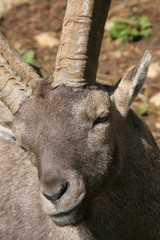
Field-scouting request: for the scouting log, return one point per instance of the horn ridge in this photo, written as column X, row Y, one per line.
column 82, row 33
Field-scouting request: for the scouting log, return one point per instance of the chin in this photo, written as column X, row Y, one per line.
column 73, row 217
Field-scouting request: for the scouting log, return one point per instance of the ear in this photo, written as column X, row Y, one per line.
column 128, row 87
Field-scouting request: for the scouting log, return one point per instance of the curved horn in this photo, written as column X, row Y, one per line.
column 17, row 78
column 83, row 28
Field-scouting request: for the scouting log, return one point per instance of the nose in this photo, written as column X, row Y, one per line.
column 56, row 191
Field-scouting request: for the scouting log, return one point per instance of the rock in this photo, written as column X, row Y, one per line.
column 157, row 125
column 156, row 99
column 47, row 39
column 154, row 70
column 6, row 5
column 108, row 25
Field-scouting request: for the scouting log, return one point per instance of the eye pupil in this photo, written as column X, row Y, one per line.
column 103, row 118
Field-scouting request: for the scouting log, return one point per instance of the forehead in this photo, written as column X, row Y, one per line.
column 69, row 100
column 67, row 113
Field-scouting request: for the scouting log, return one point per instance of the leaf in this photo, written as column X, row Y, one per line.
column 146, row 32
column 130, row 29
column 144, row 22
column 142, row 111
column 28, row 56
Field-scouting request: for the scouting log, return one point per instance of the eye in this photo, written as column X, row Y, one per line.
column 103, row 118
column 23, row 148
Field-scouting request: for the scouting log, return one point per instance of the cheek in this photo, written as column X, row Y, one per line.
column 101, row 145
column 33, row 159
column 102, row 137
column 110, row 138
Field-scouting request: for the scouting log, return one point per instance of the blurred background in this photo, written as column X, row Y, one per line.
column 33, row 27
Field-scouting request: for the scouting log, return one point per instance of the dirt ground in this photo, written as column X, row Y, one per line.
column 22, row 23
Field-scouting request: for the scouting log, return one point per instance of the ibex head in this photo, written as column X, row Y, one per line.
column 74, row 128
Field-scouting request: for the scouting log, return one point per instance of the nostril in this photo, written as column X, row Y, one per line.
column 61, row 189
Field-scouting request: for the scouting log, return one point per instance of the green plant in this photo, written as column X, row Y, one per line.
column 28, row 56
column 131, row 29
column 142, row 111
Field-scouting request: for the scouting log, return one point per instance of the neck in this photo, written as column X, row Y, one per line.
column 124, row 209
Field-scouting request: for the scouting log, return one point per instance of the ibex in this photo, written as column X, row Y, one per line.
column 97, row 173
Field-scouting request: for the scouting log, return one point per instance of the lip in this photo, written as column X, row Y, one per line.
column 72, row 217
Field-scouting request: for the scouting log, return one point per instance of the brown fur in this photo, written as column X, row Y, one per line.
column 112, row 167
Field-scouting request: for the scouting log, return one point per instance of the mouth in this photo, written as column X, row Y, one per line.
column 72, row 217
